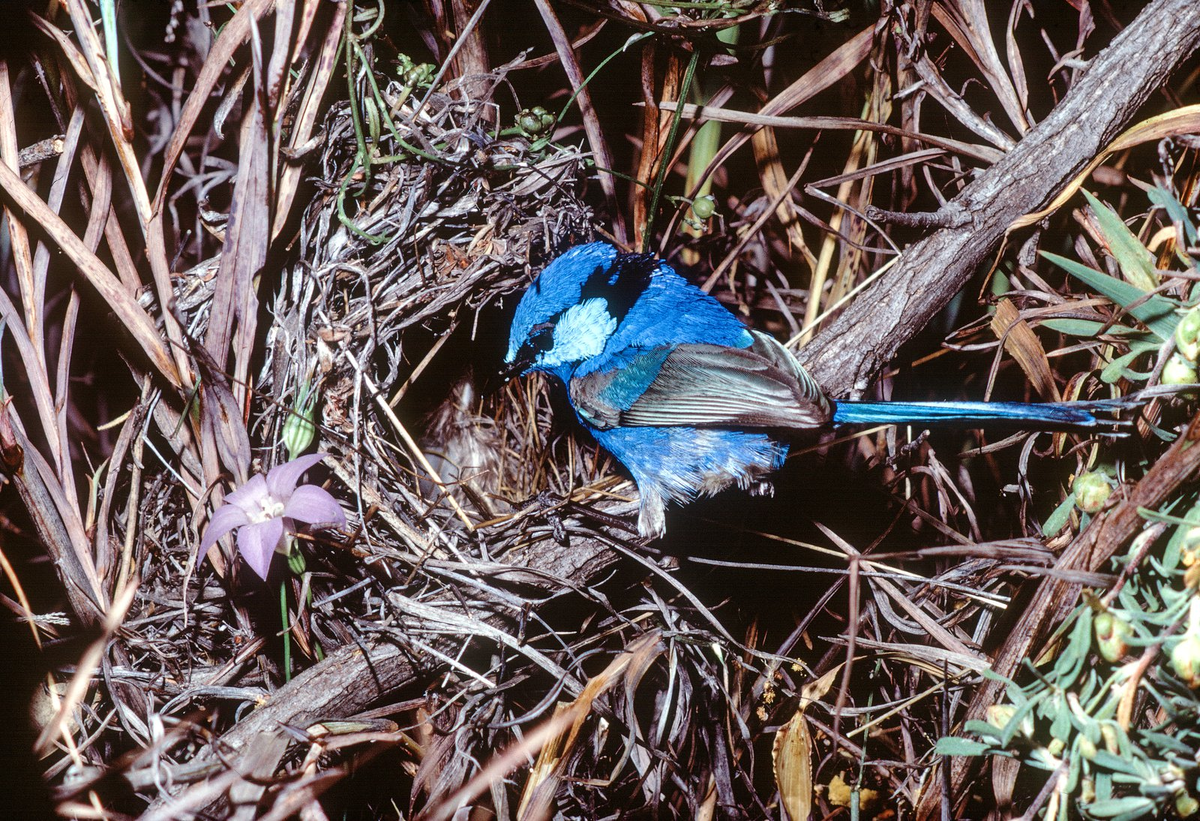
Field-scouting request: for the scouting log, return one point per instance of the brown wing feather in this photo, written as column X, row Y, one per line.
column 762, row 386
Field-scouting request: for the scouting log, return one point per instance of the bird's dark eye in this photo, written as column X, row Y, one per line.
column 541, row 337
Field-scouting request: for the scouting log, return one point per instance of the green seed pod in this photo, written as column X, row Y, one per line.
column 1179, row 371
column 535, row 122
column 546, row 120
column 1187, row 335
column 1092, row 490
column 418, row 75
column 1186, row 806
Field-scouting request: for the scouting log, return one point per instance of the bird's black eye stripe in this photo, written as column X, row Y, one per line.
column 541, row 336
column 621, row 284
column 540, row 340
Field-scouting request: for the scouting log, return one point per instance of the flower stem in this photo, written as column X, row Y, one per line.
column 287, row 632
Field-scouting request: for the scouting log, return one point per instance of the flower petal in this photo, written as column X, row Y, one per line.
column 282, row 479
column 224, row 519
column 257, row 543
column 250, row 497
column 315, row 506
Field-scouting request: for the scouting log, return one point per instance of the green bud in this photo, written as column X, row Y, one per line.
column 296, row 561
column 1000, row 715
column 535, row 122
column 1191, row 538
column 1055, row 747
column 1092, row 490
column 1178, row 371
column 299, row 430
column 1087, row 748
column 1111, row 633
column 1186, row 806
column 1185, row 660
column 418, row 75
column 704, row 207
column 1187, row 334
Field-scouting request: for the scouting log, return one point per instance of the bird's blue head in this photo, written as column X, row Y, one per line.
column 574, row 306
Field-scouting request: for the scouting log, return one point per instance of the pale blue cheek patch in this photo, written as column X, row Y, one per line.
column 580, row 333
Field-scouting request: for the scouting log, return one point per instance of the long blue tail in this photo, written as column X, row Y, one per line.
column 1054, row 415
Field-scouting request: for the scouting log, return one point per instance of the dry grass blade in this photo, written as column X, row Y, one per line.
column 322, row 72
column 1184, row 120
column 967, row 22
column 234, row 34
column 247, row 233
column 791, row 752
column 123, row 304
column 812, row 82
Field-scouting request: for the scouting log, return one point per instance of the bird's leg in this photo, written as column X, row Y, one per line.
column 652, row 515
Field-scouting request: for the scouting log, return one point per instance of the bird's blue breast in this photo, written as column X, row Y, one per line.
column 681, row 463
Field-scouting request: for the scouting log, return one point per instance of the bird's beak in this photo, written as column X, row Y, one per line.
column 511, row 370
column 514, row 367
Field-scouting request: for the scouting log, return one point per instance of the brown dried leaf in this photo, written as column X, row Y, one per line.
column 792, row 752
column 1023, row 345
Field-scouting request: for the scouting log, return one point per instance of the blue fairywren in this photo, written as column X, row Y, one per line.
column 683, row 394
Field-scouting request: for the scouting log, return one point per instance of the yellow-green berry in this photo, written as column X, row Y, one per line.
column 1185, row 660
column 1187, row 334
column 1178, row 371
column 1092, row 490
column 704, row 207
column 1111, row 633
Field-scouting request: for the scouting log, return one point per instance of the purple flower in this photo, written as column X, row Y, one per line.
column 264, row 511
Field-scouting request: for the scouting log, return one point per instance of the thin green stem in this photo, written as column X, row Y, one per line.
column 287, row 632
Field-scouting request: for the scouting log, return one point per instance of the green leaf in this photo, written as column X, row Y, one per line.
column 1175, row 211
column 1087, row 328
column 961, row 746
column 1057, row 520
column 1115, row 764
column 1157, row 312
column 1118, row 368
column 1060, row 727
column 1135, row 260
column 1165, row 743
column 1120, row 807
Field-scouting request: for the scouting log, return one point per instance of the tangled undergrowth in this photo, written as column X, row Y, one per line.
column 290, row 229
